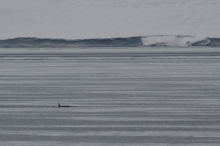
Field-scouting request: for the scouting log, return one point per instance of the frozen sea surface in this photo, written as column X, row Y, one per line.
column 118, row 97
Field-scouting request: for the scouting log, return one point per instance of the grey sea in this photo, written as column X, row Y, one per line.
column 116, row 97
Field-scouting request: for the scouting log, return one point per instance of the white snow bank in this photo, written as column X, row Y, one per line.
column 82, row 19
column 172, row 41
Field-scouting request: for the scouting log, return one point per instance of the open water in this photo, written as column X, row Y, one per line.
column 117, row 97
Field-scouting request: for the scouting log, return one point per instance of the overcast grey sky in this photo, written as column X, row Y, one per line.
column 78, row 19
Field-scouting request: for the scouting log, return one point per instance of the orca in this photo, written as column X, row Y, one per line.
column 63, row 105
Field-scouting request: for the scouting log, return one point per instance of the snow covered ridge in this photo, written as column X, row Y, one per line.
column 179, row 41
column 140, row 41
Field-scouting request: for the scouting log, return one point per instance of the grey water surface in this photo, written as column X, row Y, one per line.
column 117, row 97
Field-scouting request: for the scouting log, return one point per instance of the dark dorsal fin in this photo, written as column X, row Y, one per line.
column 62, row 105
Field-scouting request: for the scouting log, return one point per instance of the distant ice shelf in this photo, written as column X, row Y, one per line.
column 137, row 41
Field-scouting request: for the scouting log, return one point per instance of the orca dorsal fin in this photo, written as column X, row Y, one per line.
column 59, row 105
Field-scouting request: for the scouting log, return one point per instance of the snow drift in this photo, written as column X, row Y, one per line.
column 180, row 41
column 150, row 41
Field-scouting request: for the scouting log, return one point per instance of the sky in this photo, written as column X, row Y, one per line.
column 83, row 19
